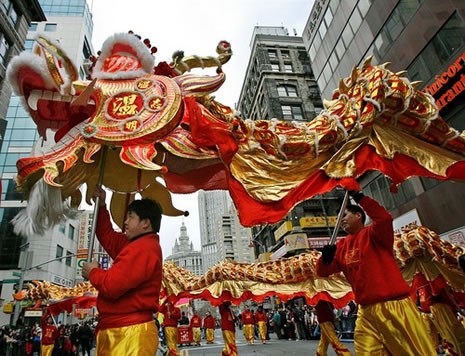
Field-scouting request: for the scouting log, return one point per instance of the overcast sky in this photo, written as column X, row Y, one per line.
column 196, row 27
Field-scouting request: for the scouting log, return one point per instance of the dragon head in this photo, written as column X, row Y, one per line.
column 127, row 105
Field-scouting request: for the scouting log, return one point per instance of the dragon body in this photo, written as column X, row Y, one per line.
column 162, row 123
column 417, row 250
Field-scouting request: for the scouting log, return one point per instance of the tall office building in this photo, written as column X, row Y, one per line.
column 16, row 17
column 279, row 83
column 70, row 23
column 425, row 37
column 221, row 235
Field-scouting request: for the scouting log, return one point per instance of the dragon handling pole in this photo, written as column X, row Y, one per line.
column 97, row 203
column 339, row 218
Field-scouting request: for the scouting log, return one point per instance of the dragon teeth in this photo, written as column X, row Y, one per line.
column 36, row 95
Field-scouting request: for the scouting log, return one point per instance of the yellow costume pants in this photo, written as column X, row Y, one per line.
column 393, row 327
column 171, row 336
column 431, row 329
column 46, row 350
column 139, row 339
column 230, row 348
column 210, row 335
column 248, row 331
column 262, row 330
column 196, row 335
column 329, row 336
column 449, row 327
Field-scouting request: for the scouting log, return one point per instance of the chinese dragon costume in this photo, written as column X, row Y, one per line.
column 143, row 122
column 161, row 122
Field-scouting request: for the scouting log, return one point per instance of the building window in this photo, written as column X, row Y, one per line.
column 275, row 67
column 50, row 27
column 71, row 232
column 292, row 112
column 287, row 90
column 440, row 50
column 61, row 228
column 272, row 54
column 285, row 54
column 69, row 258
column 29, row 44
column 13, row 16
column 33, row 27
column 7, row 5
column 4, row 49
column 288, row 68
column 59, row 252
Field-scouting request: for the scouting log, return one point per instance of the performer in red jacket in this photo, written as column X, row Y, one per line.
column 228, row 327
column 261, row 319
column 248, row 325
column 129, row 291
column 209, row 323
column 388, row 320
column 196, row 324
column 439, row 308
column 172, row 315
column 49, row 335
column 325, row 316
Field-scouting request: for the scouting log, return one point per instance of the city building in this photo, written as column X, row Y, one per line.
column 70, row 23
column 16, row 18
column 279, row 83
column 424, row 37
column 184, row 255
column 221, row 235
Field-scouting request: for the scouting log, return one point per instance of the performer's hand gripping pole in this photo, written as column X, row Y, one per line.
column 97, row 204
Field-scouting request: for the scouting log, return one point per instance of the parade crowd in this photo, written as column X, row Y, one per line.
column 48, row 338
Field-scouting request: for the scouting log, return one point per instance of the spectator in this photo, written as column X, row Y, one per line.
column 85, row 336
column 184, row 319
column 277, row 324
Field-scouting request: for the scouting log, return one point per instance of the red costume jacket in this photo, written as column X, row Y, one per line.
column 129, row 291
column 261, row 316
column 324, row 311
column 367, row 259
column 49, row 334
column 209, row 322
column 227, row 318
column 171, row 313
column 196, row 321
column 247, row 317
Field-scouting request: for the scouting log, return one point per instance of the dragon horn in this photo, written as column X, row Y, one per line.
column 182, row 64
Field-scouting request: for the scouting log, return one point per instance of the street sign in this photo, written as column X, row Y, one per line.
column 16, row 274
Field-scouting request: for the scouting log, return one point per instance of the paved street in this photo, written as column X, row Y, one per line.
column 272, row 347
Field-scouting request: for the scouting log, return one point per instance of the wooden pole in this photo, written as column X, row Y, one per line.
column 103, row 158
column 345, row 201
